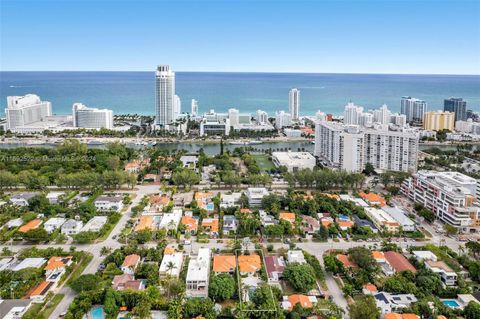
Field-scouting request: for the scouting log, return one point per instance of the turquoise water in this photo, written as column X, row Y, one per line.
column 450, row 303
column 97, row 313
column 133, row 92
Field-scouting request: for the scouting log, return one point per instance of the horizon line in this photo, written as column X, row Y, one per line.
column 257, row 72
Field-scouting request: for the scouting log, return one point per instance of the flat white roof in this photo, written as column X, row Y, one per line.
column 380, row 215
column 399, row 216
column 171, row 220
column 29, row 263
column 55, row 221
column 199, row 268
column 176, row 259
column 95, row 222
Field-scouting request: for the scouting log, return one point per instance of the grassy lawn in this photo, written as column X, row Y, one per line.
column 79, row 269
column 263, row 162
column 51, row 305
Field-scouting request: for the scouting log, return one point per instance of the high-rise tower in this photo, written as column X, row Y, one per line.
column 294, row 103
column 164, row 96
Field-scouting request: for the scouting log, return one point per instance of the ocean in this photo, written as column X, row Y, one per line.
column 133, row 92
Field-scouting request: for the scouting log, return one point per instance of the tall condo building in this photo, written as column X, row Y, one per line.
column 294, row 103
column 413, row 109
column 457, row 106
column 234, row 117
column 352, row 114
column 86, row 117
column 194, row 107
column 350, row 148
column 164, row 96
column 438, row 120
column 262, row 117
column 320, row 116
column 282, row 119
column 177, row 107
column 24, row 110
column 382, row 115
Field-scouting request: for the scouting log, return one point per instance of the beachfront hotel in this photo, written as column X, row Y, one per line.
column 87, row 117
column 164, row 96
column 27, row 109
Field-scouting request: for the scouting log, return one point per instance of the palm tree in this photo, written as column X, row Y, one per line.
column 169, row 268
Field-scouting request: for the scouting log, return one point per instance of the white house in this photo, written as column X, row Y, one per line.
column 130, row 263
column 296, row 256
column 14, row 308
column 198, row 274
column 54, row 197
column 171, row 220
column 189, row 161
column 255, row 195
column 176, row 259
column 447, row 275
column 109, row 203
column 95, row 224
column 387, row 302
column 28, row 263
column 21, row 199
column 72, row 227
column 53, row 224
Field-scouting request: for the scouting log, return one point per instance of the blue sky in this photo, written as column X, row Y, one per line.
column 433, row 37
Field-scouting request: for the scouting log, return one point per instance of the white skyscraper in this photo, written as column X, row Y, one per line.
column 382, row 115
column 86, row 117
column 282, row 119
column 177, row 107
column 352, row 113
column 194, row 107
column 234, row 117
column 294, row 103
column 23, row 110
column 321, row 116
column 413, row 109
column 262, row 117
column 164, row 96
column 366, row 119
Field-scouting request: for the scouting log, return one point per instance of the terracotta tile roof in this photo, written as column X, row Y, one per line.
column 201, row 196
column 56, row 262
column 370, row 287
column 190, row 223
column 346, row 261
column 288, row 216
column 410, row 316
column 163, row 199
column 33, row 224
column 326, row 222
column 301, row 299
column 399, row 262
column 333, row 196
column 210, row 223
column 373, row 198
column 131, row 260
column 377, row 255
column 345, row 223
column 249, row 263
column 145, row 222
column 245, row 210
column 224, row 263
column 39, row 290
column 392, row 315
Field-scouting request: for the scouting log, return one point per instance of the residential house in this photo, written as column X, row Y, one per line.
column 38, row 293
column 28, row 263
column 447, row 275
column 53, row 224
column 373, row 199
column 398, row 262
column 105, row 203
column 170, row 221
column 289, row 302
column 198, row 274
column 14, row 223
column 230, row 224
column 288, row 216
column 310, row 225
column 171, row 265
column 127, row 281
column 205, row 200
column 266, row 219
column 379, row 257
column 189, row 161
column 55, row 197
column 255, row 195
column 224, row 264
column 344, row 222
column 210, row 225
column 14, row 308
column 230, row 200
column 33, row 224
column 424, row 255
column 182, row 199
column 56, row 267
column 249, row 264
column 401, row 217
column 130, row 263
column 296, row 256
column 346, row 262
column 274, row 267
column 158, row 202
column 394, row 315
column 387, row 302
column 364, row 223
column 136, row 166
column 190, row 224
column 72, row 227
column 369, row 289
column 22, row 199
column 95, row 224
column 382, row 219
column 145, row 222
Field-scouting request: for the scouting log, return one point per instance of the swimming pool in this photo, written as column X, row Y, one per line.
column 451, row 303
column 97, row 313
column 209, row 206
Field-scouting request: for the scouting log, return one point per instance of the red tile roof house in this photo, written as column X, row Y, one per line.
column 274, row 267
column 130, row 264
column 127, row 281
column 398, row 262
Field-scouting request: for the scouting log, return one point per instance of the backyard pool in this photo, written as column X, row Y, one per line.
column 451, row 303
column 97, row 313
